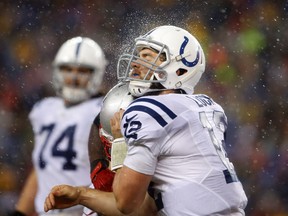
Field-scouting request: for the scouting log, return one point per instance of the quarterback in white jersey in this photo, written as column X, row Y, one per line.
column 61, row 126
column 178, row 139
column 175, row 139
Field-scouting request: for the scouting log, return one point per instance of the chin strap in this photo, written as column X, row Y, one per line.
column 138, row 88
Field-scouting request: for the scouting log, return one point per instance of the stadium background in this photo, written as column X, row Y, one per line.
column 245, row 42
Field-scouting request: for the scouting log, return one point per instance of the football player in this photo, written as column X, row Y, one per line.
column 61, row 126
column 175, row 139
column 103, row 169
column 102, row 173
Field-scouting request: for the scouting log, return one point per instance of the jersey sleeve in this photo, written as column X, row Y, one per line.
column 35, row 110
column 143, row 126
column 43, row 106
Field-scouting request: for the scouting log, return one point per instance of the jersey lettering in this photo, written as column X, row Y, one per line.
column 68, row 154
column 131, row 127
column 49, row 129
column 203, row 100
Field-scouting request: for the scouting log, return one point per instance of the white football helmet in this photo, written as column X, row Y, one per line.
column 118, row 97
column 79, row 52
column 182, row 68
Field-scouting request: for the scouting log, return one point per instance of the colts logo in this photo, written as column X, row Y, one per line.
column 131, row 127
column 187, row 63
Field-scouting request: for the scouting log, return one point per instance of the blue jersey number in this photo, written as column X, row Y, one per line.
column 69, row 153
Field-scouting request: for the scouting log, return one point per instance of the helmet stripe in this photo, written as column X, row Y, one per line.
column 77, row 51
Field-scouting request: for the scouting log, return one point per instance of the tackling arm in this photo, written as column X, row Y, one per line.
column 64, row 196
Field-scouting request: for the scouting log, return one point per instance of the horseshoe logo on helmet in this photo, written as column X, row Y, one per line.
column 184, row 61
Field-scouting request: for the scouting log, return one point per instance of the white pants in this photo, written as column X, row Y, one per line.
column 88, row 212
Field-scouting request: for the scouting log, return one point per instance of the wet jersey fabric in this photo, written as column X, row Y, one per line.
column 180, row 140
column 60, row 154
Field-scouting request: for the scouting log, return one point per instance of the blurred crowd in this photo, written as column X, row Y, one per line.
column 246, row 46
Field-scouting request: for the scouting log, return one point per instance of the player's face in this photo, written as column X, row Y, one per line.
column 141, row 69
column 76, row 77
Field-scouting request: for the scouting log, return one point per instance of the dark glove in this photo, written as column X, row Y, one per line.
column 16, row 213
column 101, row 176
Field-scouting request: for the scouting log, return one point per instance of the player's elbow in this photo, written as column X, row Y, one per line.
column 124, row 210
column 126, row 207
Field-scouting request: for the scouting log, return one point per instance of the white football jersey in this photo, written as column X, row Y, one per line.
column 60, row 154
column 179, row 139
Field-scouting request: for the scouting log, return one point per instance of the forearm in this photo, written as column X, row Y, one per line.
column 101, row 202
column 104, row 203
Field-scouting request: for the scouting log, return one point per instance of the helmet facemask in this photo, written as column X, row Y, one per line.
column 155, row 73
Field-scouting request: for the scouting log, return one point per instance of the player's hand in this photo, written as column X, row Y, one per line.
column 115, row 123
column 101, row 176
column 62, row 196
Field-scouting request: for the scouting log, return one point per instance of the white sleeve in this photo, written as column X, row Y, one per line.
column 144, row 144
column 141, row 159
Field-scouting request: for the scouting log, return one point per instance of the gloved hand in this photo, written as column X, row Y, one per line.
column 101, row 176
